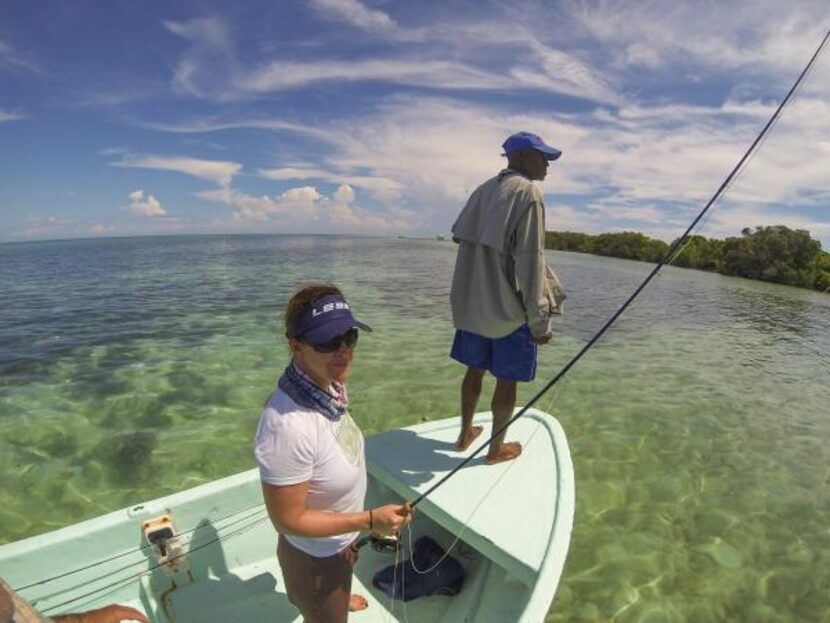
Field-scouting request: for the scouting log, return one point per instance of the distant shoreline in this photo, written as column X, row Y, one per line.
column 210, row 235
column 773, row 253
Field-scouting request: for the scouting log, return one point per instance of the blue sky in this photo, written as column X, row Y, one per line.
column 381, row 116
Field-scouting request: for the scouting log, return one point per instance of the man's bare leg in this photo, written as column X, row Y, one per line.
column 470, row 392
column 504, row 401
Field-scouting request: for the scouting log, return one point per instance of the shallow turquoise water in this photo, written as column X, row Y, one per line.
column 699, row 427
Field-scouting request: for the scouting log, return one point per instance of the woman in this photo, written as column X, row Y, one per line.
column 311, row 461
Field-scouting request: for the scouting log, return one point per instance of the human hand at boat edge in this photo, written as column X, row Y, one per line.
column 388, row 519
column 113, row 613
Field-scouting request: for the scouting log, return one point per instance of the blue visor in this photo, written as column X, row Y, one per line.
column 325, row 319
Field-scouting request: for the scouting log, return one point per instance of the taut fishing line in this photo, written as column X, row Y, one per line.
column 666, row 256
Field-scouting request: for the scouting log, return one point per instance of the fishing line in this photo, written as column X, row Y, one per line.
column 689, row 239
column 757, row 148
column 400, row 552
column 391, row 608
column 144, row 548
column 705, row 220
column 672, row 249
column 237, row 532
column 822, row 356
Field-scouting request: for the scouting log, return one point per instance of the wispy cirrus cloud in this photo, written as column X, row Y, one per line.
column 355, row 13
column 7, row 115
column 656, row 35
column 442, row 74
column 210, row 69
column 201, row 125
column 209, row 60
column 12, row 58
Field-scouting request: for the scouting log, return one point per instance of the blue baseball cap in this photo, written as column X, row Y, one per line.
column 525, row 140
column 325, row 319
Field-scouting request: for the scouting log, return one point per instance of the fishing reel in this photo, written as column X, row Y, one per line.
column 386, row 544
column 380, row 544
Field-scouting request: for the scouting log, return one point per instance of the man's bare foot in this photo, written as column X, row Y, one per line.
column 508, row 452
column 464, row 440
column 357, row 602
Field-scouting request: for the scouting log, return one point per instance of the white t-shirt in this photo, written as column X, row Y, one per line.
column 295, row 444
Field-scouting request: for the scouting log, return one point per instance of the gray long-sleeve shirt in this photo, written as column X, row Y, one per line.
column 501, row 279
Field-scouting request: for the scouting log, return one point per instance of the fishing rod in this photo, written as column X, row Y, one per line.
column 669, row 253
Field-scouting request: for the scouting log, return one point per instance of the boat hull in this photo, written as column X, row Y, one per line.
column 230, row 544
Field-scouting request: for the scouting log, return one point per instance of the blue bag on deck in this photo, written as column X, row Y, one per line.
column 406, row 584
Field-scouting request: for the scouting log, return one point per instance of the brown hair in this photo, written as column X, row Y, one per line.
column 303, row 298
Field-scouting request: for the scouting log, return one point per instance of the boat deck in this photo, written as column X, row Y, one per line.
column 255, row 594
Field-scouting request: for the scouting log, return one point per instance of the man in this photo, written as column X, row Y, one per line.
column 14, row 609
column 503, row 293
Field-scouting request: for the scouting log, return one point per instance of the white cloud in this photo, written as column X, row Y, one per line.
column 304, row 208
column 562, row 217
column 142, row 205
column 573, row 48
column 13, row 59
column 113, row 151
column 301, row 200
column 384, row 188
column 207, row 125
column 209, row 60
column 444, row 74
column 561, row 72
column 652, row 159
column 210, row 69
column 204, row 31
column 355, row 13
column 46, row 227
column 297, row 172
column 218, row 171
column 656, row 165
column 747, row 36
column 732, row 217
column 98, row 229
column 344, row 195
column 12, row 116
column 642, row 55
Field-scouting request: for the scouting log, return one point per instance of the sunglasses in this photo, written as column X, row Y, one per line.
column 349, row 338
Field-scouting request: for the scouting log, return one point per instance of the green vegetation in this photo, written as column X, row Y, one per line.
column 774, row 253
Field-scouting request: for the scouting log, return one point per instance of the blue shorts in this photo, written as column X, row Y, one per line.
column 509, row 358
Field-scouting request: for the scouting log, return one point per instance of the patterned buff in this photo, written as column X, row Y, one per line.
column 305, row 392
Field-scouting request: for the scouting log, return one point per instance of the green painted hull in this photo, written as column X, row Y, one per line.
column 514, row 522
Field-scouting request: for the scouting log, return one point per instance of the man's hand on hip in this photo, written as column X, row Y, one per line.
column 543, row 339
